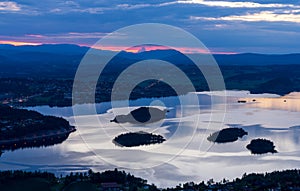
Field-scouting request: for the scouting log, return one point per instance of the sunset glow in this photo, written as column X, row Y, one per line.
column 17, row 43
column 135, row 49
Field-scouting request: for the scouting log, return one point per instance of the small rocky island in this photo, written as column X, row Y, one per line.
column 137, row 139
column 261, row 146
column 21, row 128
column 227, row 135
column 141, row 115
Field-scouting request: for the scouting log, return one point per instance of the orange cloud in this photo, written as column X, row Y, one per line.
column 18, row 43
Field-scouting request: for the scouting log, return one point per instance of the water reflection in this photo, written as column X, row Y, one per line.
column 266, row 117
column 290, row 102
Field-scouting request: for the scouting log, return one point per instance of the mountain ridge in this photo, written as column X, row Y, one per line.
column 63, row 59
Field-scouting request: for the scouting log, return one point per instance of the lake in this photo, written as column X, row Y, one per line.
column 186, row 155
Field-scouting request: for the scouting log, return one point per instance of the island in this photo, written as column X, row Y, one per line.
column 261, row 146
column 141, row 115
column 137, row 139
column 227, row 135
column 21, row 128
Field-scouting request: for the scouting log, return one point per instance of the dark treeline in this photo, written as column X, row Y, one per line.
column 124, row 181
column 18, row 174
column 277, row 180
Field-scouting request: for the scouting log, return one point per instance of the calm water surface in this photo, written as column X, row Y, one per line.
column 186, row 155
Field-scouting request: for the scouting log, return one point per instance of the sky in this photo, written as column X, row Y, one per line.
column 259, row 26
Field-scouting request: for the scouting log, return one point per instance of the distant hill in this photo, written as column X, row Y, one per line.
column 61, row 60
column 45, row 73
column 45, row 60
column 257, row 59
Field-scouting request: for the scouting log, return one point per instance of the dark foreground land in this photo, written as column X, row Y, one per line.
column 287, row 180
column 20, row 128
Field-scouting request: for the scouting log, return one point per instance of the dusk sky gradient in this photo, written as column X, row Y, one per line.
column 260, row 26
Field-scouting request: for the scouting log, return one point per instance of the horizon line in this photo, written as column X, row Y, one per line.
column 137, row 49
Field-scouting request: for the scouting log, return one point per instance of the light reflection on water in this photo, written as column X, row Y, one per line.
column 290, row 102
column 269, row 116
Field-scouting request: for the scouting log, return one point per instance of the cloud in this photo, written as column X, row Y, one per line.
column 72, row 3
column 226, row 4
column 84, row 38
column 9, row 6
column 133, row 6
column 267, row 16
column 224, row 25
column 18, row 43
column 54, row 37
column 72, row 35
column 35, row 35
column 101, row 9
column 69, row 6
column 236, row 4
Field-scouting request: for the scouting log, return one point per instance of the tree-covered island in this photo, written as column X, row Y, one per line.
column 138, row 139
column 227, row 135
column 261, row 146
column 141, row 115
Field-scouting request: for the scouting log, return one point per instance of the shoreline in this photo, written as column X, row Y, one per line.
column 25, row 105
column 42, row 139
